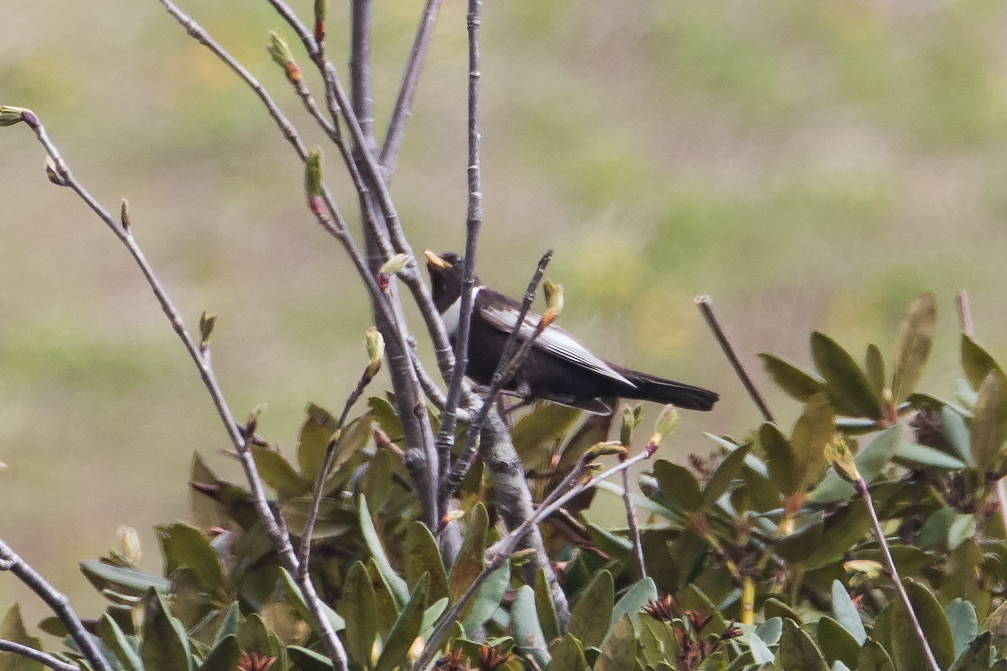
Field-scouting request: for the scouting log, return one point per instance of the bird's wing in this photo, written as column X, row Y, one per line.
column 553, row 339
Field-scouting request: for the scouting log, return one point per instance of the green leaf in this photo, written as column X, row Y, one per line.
column 115, row 640
column 963, row 528
column 728, row 469
column 420, row 555
column 870, row 462
column 845, row 383
column 165, row 645
column 678, row 484
column 488, row 601
column 842, row 530
column 797, row 651
column 277, row 472
column 916, row 337
column 384, row 602
column 536, row 434
column 770, row 630
column 308, row 660
column 225, row 655
column 377, row 484
column 956, row 432
column 977, row 363
column 528, row 634
column 619, row 651
column 935, row 529
column 295, row 598
column 13, row 629
column 314, row 436
column 406, row 629
column 964, row 624
column 545, row 607
column 229, row 624
column 567, row 655
column 384, row 414
column 593, row 430
column 989, row 422
column 792, row 380
column 632, row 602
column 780, row 459
column 589, row 618
column 186, row 546
column 874, row 366
column 975, row 656
column 397, row 586
column 906, row 650
column 774, row 608
column 847, row 614
column 357, row 606
column 996, row 623
column 837, row 643
column 814, row 430
column 761, row 654
column 469, row 562
column 873, row 657
column 928, row 457
column 122, row 580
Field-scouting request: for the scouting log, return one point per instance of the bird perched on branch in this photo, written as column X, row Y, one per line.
column 558, row 367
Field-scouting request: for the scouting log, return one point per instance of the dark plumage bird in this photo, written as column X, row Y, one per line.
column 558, row 367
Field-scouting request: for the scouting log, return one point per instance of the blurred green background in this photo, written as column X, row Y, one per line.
column 811, row 165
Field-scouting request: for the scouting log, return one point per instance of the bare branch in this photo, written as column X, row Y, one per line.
column 37, row 655
column 60, row 605
column 634, row 526
column 706, row 307
column 403, row 104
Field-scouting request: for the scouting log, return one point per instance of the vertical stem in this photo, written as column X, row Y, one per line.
column 634, row 527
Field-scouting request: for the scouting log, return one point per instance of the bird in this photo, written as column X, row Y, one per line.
column 558, row 367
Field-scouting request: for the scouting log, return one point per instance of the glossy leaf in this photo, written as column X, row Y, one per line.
column 384, row 414
column 593, row 430
column 308, row 660
column 165, row 644
column 589, row 619
column 761, row 654
column 122, row 580
column 277, row 472
column 420, row 555
column 116, row 641
column 814, row 430
column 927, row 457
column 795, row 382
column 632, row 602
column 964, row 624
column 619, row 651
column 315, row 433
column 774, row 608
column 359, row 610
column 874, row 367
column 977, row 363
column 842, row 530
column 226, row 654
column 975, row 656
column 906, row 650
column 406, row 629
column 186, row 546
column 847, row 613
column 295, row 598
column 567, row 655
column 836, row 643
column 989, row 422
column 845, row 383
column 678, row 484
column 535, row 435
column 727, row 470
column 780, row 458
column 916, row 337
column 469, row 563
column 487, row 602
column 935, row 528
column 797, row 652
column 545, row 607
column 961, row 529
column 13, row 629
column 956, row 432
column 528, row 634
column 873, row 657
column 398, row 587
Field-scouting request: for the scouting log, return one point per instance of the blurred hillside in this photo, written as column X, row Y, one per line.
column 810, row 165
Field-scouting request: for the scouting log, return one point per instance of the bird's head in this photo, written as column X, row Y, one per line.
column 446, row 273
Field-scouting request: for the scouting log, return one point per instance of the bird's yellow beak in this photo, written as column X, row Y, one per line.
column 435, row 260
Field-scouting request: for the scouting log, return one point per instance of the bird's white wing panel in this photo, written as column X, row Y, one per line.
column 553, row 340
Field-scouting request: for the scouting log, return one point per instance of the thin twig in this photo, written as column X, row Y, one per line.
column 60, row 605
column 514, row 352
column 498, row 553
column 37, row 655
column 473, row 223
column 59, row 173
column 330, row 455
column 634, row 526
column 403, row 103
column 706, row 307
column 965, row 321
column 861, row 486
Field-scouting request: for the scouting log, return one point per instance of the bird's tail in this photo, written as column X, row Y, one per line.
column 660, row 390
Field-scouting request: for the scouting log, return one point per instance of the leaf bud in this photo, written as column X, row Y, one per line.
column 130, row 543
column 603, row 450
column 553, row 298
column 630, row 420
column 313, row 174
column 279, row 50
column 53, row 172
column 375, row 350
column 396, row 264
column 124, row 214
column 838, row 454
column 663, row 426
column 206, row 323
column 11, row 115
column 321, row 9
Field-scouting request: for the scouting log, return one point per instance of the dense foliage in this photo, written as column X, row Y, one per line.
column 760, row 557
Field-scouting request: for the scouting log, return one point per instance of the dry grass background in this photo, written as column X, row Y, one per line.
column 811, row 165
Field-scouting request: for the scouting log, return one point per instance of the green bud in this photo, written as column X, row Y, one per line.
column 10, row 115
column 313, row 173
column 124, row 216
column 206, row 323
column 665, row 424
column 130, row 543
column 279, row 49
column 375, row 350
column 630, row 420
column 603, row 450
column 396, row 264
column 553, row 297
column 321, row 8
column 53, row 172
column 838, row 454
